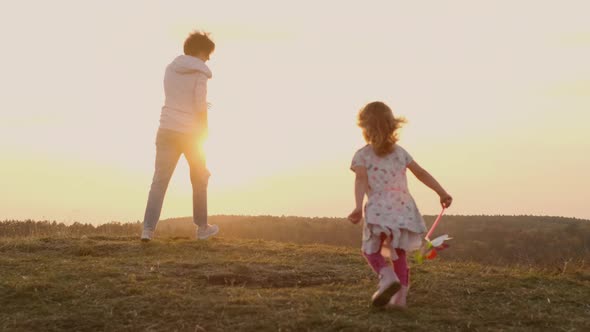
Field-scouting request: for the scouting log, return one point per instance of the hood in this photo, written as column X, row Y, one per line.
column 186, row 64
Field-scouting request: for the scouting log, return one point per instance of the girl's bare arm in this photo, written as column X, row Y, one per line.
column 361, row 186
column 425, row 177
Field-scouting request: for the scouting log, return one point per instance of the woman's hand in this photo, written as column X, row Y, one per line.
column 445, row 200
column 356, row 215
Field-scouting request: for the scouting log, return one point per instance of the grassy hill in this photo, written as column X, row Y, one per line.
column 115, row 283
column 549, row 242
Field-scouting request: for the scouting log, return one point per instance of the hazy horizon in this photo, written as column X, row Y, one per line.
column 496, row 94
column 216, row 216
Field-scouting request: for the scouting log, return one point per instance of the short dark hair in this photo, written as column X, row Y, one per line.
column 198, row 42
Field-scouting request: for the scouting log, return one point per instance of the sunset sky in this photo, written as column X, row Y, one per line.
column 496, row 94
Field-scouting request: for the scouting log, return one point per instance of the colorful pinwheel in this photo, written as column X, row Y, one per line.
column 431, row 247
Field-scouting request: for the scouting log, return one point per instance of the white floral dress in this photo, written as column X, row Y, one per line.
column 390, row 209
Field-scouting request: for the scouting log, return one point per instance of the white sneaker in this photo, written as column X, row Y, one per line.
column 388, row 286
column 203, row 233
column 147, row 235
column 398, row 300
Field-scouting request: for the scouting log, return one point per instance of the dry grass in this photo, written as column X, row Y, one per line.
column 117, row 283
column 552, row 243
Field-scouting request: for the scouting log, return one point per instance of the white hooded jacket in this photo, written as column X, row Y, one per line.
column 185, row 87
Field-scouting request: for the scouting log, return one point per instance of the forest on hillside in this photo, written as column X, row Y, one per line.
column 553, row 242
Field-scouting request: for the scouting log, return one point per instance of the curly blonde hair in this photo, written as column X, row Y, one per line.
column 379, row 127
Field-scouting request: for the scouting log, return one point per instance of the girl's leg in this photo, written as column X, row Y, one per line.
column 388, row 281
column 400, row 265
column 376, row 261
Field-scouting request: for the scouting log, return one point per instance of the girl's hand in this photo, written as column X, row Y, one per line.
column 356, row 215
column 446, row 200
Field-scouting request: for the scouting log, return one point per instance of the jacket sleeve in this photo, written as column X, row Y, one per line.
column 201, row 93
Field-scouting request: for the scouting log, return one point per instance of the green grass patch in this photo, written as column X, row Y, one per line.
column 111, row 283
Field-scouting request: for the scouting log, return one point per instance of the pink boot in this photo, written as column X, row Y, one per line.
column 400, row 266
column 398, row 301
column 388, row 286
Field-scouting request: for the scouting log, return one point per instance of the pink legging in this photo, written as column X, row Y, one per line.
column 400, row 265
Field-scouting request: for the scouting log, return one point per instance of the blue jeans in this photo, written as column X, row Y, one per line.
column 169, row 146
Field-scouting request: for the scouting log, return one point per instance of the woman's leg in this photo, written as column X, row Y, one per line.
column 199, row 174
column 167, row 155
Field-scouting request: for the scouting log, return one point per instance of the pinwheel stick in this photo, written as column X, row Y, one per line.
column 434, row 224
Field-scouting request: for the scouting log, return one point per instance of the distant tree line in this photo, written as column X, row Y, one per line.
column 555, row 242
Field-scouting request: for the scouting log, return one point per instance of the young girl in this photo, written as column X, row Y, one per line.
column 392, row 220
